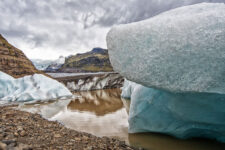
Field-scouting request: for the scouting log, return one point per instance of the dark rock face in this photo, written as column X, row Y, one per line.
column 13, row 61
column 96, row 60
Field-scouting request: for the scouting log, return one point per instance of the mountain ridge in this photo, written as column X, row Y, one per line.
column 13, row 61
column 96, row 60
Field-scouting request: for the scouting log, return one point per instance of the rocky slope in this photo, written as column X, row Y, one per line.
column 96, row 60
column 13, row 61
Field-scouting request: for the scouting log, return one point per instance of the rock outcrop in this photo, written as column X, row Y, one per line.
column 13, row 61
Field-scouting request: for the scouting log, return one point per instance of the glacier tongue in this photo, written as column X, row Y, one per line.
column 182, row 50
column 30, row 88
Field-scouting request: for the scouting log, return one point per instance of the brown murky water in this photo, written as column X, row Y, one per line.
column 104, row 113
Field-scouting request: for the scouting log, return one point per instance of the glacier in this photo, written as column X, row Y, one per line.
column 182, row 50
column 35, row 87
column 175, row 63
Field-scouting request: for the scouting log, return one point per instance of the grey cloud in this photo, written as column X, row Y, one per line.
column 72, row 25
column 133, row 11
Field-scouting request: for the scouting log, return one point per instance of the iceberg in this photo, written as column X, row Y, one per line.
column 30, row 88
column 176, row 63
column 182, row 115
column 182, row 50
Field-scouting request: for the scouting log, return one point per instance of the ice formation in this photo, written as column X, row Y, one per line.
column 183, row 115
column 182, row 50
column 176, row 60
column 128, row 88
column 30, row 88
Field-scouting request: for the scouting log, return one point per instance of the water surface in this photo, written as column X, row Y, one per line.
column 104, row 113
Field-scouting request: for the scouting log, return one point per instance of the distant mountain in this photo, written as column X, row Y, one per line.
column 49, row 65
column 96, row 60
column 56, row 65
column 13, row 61
column 41, row 64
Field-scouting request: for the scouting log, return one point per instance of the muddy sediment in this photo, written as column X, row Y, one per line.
column 22, row 130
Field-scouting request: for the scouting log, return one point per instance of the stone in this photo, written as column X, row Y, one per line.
column 23, row 133
column 3, row 146
column 57, row 136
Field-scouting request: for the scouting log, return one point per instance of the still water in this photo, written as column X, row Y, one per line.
column 104, row 113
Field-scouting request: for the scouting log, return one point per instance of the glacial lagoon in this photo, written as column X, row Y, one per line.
column 104, row 113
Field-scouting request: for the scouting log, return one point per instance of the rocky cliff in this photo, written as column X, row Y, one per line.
column 96, row 60
column 13, row 61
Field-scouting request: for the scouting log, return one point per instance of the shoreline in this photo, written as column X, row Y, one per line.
column 23, row 130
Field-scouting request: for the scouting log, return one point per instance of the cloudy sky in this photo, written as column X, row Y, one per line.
column 47, row 29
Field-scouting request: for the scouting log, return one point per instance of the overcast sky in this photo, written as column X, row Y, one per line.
column 46, row 29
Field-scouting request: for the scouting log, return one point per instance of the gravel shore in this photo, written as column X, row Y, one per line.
column 22, row 131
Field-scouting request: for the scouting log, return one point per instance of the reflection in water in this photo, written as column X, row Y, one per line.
column 156, row 141
column 126, row 104
column 47, row 109
column 98, row 102
column 153, row 141
column 98, row 112
column 103, row 113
